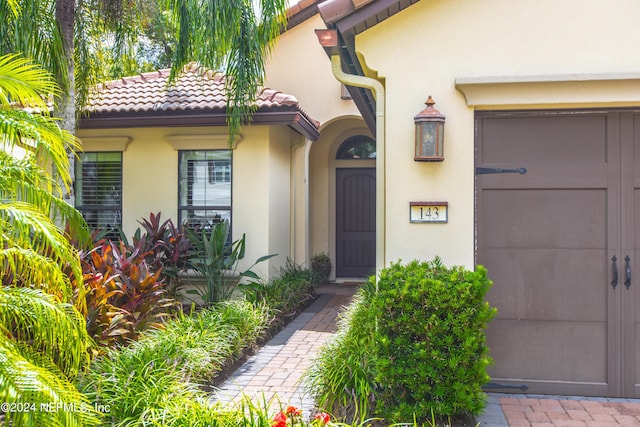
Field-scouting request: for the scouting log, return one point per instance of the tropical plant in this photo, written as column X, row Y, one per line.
column 43, row 340
column 125, row 296
column 216, row 259
column 166, row 248
column 68, row 37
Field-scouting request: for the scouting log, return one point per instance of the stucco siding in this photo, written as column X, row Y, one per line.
column 298, row 65
column 422, row 50
column 260, row 180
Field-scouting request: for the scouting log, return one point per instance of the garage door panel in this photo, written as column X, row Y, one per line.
column 536, row 284
column 547, row 238
column 543, row 218
column 554, row 176
column 545, row 139
column 529, row 350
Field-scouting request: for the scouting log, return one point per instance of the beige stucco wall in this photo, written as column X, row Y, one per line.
column 299, row 66
column 424, row 49
column 260, row 187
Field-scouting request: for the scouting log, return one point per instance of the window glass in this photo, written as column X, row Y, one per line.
column 204, row 187
column 357, row 147
column 99, row 190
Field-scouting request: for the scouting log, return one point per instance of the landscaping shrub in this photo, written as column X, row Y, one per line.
column 123, row 295
column 341, row 378
column 166, row 247
column 321, row 268
column 414, row 344
column 131, row 287
column 291, row 288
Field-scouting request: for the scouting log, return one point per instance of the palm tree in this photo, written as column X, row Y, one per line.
column 232, row 36
column 43, row 339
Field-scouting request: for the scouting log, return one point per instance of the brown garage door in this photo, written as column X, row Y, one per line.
column 553, row 239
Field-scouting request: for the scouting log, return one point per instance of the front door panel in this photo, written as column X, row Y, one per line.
column 355, row 222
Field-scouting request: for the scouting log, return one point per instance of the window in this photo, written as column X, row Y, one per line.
column 358, row 147
column 99, row 190
column 204, row 187
column 219, row 171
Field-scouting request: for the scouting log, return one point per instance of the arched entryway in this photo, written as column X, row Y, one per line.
column 355, row 178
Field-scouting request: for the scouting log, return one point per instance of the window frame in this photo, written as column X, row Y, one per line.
column 184, row 209
column 84, row 208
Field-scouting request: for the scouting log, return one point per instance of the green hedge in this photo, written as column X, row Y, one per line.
column 416, row 341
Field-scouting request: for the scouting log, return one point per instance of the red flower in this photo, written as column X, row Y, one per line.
column 280, row 420
column 292, row 411
column 324, row 417
column 280, row 417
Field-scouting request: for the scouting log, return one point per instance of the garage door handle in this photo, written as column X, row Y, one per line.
column 627, row 281
column 614, row 266
column 486, row 171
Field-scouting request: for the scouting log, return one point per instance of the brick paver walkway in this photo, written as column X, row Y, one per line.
column 278, row 367
column 560, row 411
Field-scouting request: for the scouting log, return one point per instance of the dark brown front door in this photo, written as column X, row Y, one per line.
column 553, row 239
column 355, row 222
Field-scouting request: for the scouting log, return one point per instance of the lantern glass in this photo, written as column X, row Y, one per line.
column 429, row 141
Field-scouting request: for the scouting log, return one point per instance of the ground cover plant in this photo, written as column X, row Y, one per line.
column 166, row 368
column 412, row 346
column 163, row 377
column 292, row 288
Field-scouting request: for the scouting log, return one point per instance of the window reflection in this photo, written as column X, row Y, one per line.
column 359, row 147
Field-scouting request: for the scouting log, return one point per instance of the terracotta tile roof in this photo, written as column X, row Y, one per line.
column 193, row 90
column 196, row 91
column 300, row 6
column 301, row 11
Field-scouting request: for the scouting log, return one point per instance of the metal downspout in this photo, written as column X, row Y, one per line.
column 378, row 89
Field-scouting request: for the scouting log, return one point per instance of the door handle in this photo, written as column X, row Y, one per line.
column 614, row 267
column 627, row 267
column 485, row 171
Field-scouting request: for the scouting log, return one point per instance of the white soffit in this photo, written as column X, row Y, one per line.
column 611, row 89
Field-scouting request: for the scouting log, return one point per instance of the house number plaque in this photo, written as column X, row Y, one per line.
column 429, row 212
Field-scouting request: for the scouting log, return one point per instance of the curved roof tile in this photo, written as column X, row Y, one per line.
column 195, row 89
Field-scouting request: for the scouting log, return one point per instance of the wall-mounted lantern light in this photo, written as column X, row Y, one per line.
column 429, row 134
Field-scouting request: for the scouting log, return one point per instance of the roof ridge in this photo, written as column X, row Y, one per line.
column 145, row 77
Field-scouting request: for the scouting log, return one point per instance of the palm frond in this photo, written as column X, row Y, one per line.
column 24, row 181
column 28, row 377
column 23, row 83
column 233, row 36
column 26, row 227
column 47, row 325
column 41, row 135
column 24, row 266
